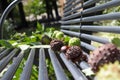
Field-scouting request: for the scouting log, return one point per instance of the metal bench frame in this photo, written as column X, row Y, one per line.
column 72, row 21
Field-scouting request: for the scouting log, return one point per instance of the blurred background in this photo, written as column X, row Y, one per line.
column 28, row 12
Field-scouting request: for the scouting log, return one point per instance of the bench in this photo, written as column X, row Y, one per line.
column 78, row 21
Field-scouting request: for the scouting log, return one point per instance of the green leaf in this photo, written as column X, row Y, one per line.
column 40, row 27
column 116, row 41
column 50, row 30
column 5, row 43
column 34, row 43
column 33, row 38
column 13, row 43
column 34, row 74
column 19, row 70
column 66, row 40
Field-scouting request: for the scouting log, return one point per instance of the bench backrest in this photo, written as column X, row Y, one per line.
column 83, row 19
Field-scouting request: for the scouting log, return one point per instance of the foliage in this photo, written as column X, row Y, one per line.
column 116, row 41
column 40, row 27
column 19, row 70
column 51, row 72
column 34, row 75
column 24, row 39
column 35, row 7
column 5, row 44
column 8, row 29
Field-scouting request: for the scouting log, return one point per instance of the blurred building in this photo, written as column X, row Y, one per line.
column 61, row 4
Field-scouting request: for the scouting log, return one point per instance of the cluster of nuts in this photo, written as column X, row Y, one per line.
column 103, row 55
column 72, row 51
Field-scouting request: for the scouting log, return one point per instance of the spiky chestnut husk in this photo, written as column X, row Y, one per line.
column 45, row 39
column 74, row 53
column 56, row 45
column 104, row 54
column 66, row 39
column 109, row 72
column 54, row 33
column 74, row 42
column 59, row 35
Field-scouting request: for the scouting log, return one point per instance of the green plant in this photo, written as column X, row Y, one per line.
column 51, row 72
column 5, row 43
column 19, row 70
column 35, row 7
column 8, row 29
column 34, row 39
column 116, row 41
column 40, row 28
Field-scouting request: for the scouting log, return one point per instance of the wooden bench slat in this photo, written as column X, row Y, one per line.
column 110, row 16
column 76, row 73
column 110, row 29
column 87, row 46
column 73, row 27
column 86, row 36
column 28, row 66
column 85, row 4
column 60, row 75
column 43, row 74
column 102, row 7
column 4, row 53
column 94, row 38
column 93, row 9
column 7, row 59
column 84, row 65
column 76, row 34
column 13, row 67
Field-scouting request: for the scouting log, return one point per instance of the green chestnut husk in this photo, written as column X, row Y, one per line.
column 74, row 42
column 54, row 33
column 45, row 40
column 59, row 36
